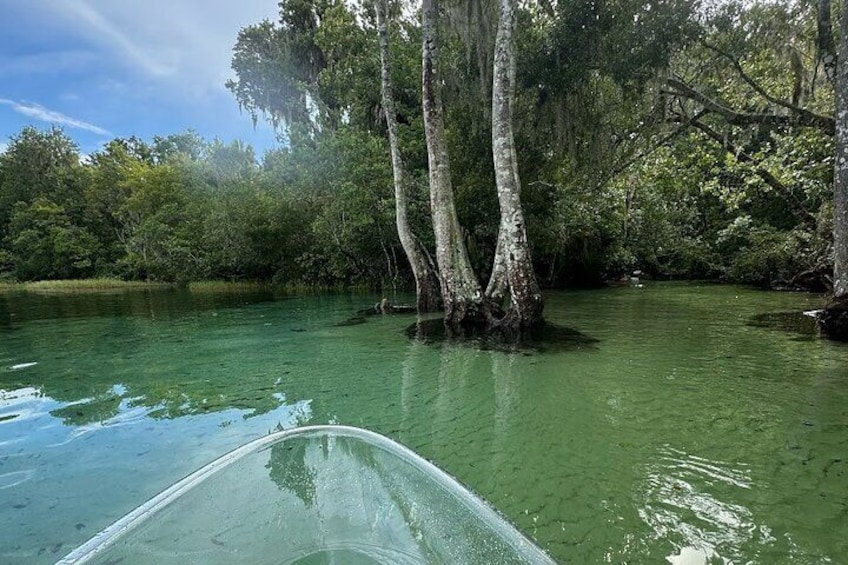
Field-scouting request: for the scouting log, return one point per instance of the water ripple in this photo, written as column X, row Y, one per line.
column 685, row 500
column 15, row 478
column 718, row 470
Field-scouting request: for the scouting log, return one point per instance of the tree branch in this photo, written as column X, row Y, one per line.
column 792, row 200
column 682, row 125
column 812, row 117
column 805, row 118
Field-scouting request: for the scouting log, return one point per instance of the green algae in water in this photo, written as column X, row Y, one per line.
column 684, row 431
column 544, row 338
column 355, row 496
column 799, row 323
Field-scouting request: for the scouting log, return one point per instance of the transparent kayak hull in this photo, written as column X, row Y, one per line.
column 313, row 496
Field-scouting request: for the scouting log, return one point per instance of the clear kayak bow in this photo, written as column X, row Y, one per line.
column 313, row 496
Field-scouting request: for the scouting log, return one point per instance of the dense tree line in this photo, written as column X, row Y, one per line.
column 684, row 140
column 180, row 209
column 681, row 139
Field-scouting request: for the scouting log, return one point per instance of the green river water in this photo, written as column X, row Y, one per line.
column 696, row 424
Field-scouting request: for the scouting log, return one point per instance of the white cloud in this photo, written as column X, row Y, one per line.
column 43, row 114
column 186, row 42
column 118, row 35
column 3, row 147
column 136, row 66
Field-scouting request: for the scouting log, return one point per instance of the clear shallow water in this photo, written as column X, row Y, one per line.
column 313, row 495
column 693, row 429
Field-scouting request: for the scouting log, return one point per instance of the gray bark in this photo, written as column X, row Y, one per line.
column 826, row 46
column 426, row 279
column 461, row 293
column 498, row 284
column 840, row 188
column 526, row 303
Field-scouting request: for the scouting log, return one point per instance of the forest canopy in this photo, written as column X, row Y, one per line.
column 682, row 139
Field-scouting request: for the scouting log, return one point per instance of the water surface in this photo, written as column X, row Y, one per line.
column 697, row 423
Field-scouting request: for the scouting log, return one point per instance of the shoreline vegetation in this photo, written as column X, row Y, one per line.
column 80, row 285
column 198, row 287
column 95, row 285
column 672, row 142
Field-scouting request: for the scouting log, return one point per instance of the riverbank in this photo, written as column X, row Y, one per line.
column 80, row 285
column 199, row 287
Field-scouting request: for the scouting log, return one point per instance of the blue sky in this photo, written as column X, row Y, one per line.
column 115, row 68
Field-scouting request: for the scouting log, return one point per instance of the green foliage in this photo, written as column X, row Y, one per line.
column 767, row 257
column 256, row 235
column 614, row 177
column 350, row 182
column 42, row 224
column 39, row 164
column 45, row 244
column 159, row 224
column 312, row 71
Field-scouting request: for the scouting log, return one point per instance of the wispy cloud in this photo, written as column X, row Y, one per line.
column 184, row 44
column 114, row 34
column 39, row 112
column 140, row 68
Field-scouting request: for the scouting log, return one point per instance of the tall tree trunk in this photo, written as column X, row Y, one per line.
column 498, row 285
column 834, row 319
column 426, row 278
column 463, row 300
column 526, row 303
column 840, row 188
column 826, row 47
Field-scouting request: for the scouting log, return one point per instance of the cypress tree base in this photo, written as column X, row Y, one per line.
column 833, row 320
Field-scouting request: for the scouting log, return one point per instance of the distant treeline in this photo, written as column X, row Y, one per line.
column 180, row 209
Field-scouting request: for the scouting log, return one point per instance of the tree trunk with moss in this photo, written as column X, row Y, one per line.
column 513, row 261
column 426, row 277
column 461, row 293
column 840, row 189
column 834, row 319
column 825, row 44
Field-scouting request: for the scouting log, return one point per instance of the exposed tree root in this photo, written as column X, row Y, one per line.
column 833, row 320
